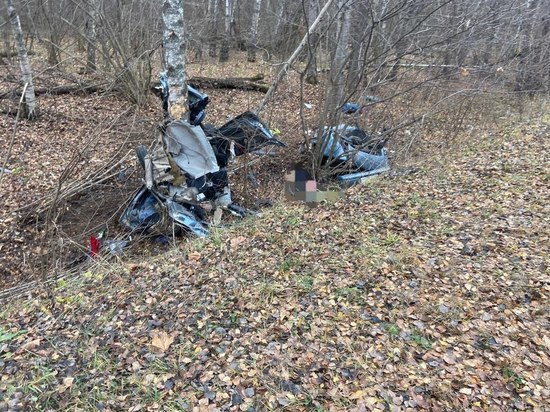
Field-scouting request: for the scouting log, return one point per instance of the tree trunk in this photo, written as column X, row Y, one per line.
column 254, row 31
column 280, row 26
column 399, row 53
column 30, row 106
column 6, row 50
column 337, row 79
column 213, row 24
column 533, row 50
column 311, row 70
column 53, row 43
column 239, row 83
column 361, row 37
column 91, row 36
column 228, row 11
column 173, row 40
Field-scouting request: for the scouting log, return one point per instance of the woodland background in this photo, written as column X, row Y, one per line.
column 422, row 289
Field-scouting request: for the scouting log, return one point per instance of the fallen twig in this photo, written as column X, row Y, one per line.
column 8, row 154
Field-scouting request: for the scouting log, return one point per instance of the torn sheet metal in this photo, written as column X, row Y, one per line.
column 367, row 162
column 186, row 218
column 349, row 145
column 187, row 167
column 142, row 212
column 190, row 149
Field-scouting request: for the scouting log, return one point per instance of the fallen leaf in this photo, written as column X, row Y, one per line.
column 67, row 383
column 194, row 256
column 486, row 316
column 465, row 391
column 449, row 359
column 357, row 394
column 236, row 241
column 31, row 344
column 162, row 340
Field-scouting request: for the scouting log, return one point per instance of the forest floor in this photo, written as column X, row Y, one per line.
column 417, row 291
column 82, row 137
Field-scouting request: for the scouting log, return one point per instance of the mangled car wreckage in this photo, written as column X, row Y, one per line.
column 351, row 147
column 187, row 166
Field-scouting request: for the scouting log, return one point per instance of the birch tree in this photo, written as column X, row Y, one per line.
column 30, row 106
column 228, row 17
column 253, row 40
column 173, row 40
column 91, row 35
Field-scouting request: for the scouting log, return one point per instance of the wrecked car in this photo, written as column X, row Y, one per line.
column 186, row 168
column 352, row 148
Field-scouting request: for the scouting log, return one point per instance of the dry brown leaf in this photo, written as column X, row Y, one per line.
column 67, row 383
column 357, row 394
column 465, row 391
column 236, row 241
column 162, row 340
column 194, row 256
column 449, row 359
column 30, row 345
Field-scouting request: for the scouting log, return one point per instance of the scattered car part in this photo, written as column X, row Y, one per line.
column 187, row 166
column 349, row 145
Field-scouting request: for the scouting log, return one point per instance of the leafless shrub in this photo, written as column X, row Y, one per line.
column 426, row 61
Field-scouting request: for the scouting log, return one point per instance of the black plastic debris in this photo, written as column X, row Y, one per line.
column 350, row 108
column 356, row 108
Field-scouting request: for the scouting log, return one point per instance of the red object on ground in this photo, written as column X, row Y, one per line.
column 94, row 246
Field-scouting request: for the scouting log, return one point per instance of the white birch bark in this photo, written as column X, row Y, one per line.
column 30, row 106
column 286, row 65
column 253, row 40
column 91, row 35
column 173, row 41
column 229, row 6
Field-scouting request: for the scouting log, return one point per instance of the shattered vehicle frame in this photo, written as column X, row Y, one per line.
column 187, row 166
column 351, row 147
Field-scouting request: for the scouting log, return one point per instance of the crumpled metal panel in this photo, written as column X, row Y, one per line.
column 185, row 218
column 190, row 149
column 142, row 211
column 334, row 148
column 366, row 161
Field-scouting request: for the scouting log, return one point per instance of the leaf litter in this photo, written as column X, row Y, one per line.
column 421, row 291
column 370, row 303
